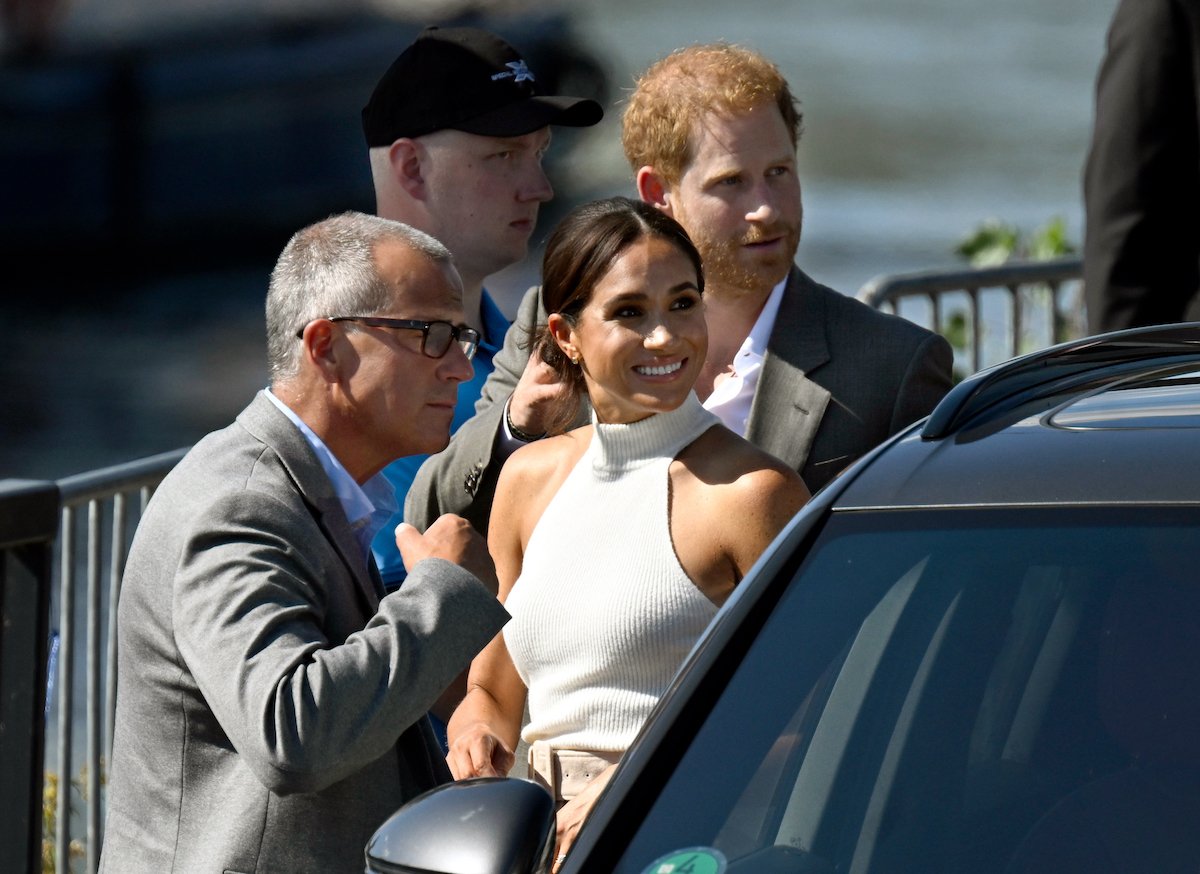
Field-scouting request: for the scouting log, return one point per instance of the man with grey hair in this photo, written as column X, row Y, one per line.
column 271, row 697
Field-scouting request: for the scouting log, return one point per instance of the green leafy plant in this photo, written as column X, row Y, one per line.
column 50, row 789
column 994, row 242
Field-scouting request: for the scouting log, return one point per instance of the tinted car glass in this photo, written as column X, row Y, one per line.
column 955, row 690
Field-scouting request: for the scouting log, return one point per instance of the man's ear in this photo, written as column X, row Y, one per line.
column 653, row 189
column 321, row 351
column 406, row 158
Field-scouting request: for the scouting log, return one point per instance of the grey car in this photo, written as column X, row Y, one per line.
column 977, row 650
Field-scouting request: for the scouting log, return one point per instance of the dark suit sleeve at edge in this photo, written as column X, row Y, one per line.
column 1140, row 251
column 928, row 377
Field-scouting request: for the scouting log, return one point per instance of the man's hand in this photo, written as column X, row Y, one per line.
column 536, row 394
column 452, row 538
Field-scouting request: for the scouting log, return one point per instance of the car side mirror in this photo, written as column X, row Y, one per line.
column 484, row 825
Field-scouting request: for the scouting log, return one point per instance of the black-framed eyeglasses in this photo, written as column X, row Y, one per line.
column 436, row 336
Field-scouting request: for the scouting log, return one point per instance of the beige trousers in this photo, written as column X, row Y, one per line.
column 565, row 773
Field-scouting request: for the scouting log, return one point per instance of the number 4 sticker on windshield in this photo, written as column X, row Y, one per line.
column 693, row 860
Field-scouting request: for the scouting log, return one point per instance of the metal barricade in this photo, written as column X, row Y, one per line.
column 112, row 501
column 1033, row 303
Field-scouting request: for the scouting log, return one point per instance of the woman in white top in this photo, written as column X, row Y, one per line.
column 614, row 543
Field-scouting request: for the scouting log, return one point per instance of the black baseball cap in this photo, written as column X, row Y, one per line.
column 467, row 79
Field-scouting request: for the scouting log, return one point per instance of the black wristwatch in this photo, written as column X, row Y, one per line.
column 523, row 436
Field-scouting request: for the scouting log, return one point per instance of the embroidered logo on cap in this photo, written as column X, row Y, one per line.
column 518, row 70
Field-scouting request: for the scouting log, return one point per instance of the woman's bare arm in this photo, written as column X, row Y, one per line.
column 484, row 730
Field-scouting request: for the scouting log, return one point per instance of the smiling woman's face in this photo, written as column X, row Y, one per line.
column 641, row 339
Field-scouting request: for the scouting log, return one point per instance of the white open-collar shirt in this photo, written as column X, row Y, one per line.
column 731, row 399
column 369, row 506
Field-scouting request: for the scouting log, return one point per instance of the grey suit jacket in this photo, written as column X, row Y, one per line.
column 271, row 701
column 838, row 378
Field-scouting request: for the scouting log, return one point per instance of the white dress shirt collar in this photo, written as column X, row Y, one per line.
column 369, row 506
column 731, row 399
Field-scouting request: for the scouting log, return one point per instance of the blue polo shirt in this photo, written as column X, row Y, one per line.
column 401, row 472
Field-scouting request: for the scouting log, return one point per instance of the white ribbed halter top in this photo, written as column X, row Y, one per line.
column 602, row 613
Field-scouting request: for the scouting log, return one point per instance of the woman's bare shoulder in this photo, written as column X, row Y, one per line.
column 734, row 479
column 736, row 494
column 720, row 456
column 537, row 462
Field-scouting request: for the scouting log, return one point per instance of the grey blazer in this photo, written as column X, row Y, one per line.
column 270, row 700
column 838, row 378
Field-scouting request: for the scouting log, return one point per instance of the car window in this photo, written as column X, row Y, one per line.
column 933, row 686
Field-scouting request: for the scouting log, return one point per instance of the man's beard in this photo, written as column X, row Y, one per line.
column 724, row 268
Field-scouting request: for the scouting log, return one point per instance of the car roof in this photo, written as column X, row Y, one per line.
column 1107, row 420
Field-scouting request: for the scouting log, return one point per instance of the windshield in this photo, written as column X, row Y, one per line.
column 935, row 687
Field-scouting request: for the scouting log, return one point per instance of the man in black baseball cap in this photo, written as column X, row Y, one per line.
column 466, row 79
column 457, row 128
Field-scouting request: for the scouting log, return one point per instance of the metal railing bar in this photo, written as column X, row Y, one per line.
column 976, row 329
column 66, row 678
column 1057, row 320
column 1021, row 284
column 123, row 477
column 116, row 572
column 93, row 687
column 1014, row 292
column 889, row 287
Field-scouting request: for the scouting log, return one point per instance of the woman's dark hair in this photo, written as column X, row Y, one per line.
column 579, row 253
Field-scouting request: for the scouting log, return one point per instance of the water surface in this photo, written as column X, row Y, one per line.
column 922, row 118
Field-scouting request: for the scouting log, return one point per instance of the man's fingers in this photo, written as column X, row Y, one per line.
column 406, row 534
column 451, row 538
column 412, row 545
